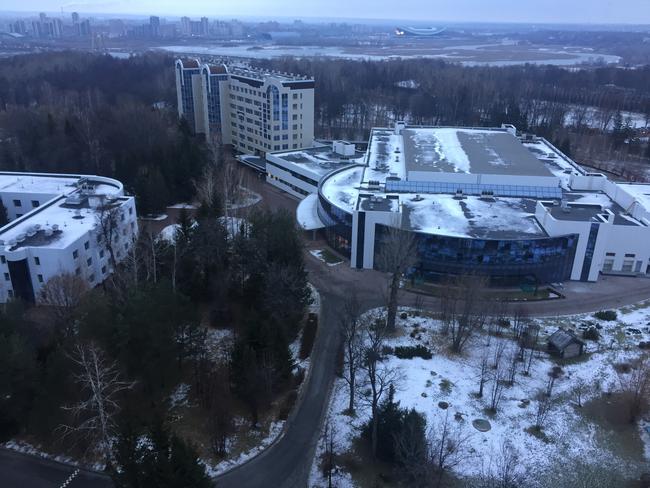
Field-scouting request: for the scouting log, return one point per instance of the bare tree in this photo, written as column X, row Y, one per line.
column 544, row 406
column 464, row 309
column 208, row 190
column 496, row 390
column 99, row 379
column 513, row 361
column 504, row 470
column 329, row 442
column 108, row 220
column 553, row 374
column 580, row 388
column 378, row 375
column 448, row 446
column 483, row 369
column 397, row 253
column 635, row 387
column 351, row 329
column 63, row 293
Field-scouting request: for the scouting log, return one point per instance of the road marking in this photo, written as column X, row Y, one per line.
column 70, row 478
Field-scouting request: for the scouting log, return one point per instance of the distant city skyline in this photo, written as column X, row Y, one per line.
column 493, row 11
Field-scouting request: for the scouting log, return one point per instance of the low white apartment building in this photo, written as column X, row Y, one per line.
column 256, row 111
column 55, row 226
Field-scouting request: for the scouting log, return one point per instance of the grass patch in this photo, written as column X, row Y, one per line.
column 539, row 433
column 445, row 386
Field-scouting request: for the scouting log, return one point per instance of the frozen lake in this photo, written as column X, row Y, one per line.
column 503, row 54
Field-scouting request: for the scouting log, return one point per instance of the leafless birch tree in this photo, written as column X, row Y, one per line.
column 100, row 382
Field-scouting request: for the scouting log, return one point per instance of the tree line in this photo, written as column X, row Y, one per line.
column 74, row 112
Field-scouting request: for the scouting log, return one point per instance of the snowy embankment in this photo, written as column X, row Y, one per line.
column 452, row 380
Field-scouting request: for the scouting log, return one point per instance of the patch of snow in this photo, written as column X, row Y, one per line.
column 571, row 434
column 26, row 448
column 220, row 343
column 214, row 470
column 318, row 254
column 179, row 397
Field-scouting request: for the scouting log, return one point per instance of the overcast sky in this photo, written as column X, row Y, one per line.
column 536, row 11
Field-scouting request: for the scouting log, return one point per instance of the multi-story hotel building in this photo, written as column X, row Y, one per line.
column 256, row 111
column 74, row 224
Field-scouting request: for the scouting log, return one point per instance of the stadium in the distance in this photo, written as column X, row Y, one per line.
column 490, row 201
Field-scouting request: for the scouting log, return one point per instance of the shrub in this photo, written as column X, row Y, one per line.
column 410, row 352
column 403, row 316
column 308, row 337
column 591, row 334
column 608, row 315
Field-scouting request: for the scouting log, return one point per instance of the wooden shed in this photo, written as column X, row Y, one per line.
column 565, row 344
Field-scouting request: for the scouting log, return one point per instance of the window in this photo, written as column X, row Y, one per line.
column 630, row 255
column 77, row 271
column 7, row 277
column 75, row 254
column 40, row 278
column 103, row 269
column 3, row 259
column 37, row 261
column 86, row 245
column 610, row 254
column 89, row 261
column 35, row 203
column 122, row 217
column 91, row 277
column 101, row 253
column 627, row 266
column 10, row 293
column 130, row 210
column 608, row 265
column 18, row 203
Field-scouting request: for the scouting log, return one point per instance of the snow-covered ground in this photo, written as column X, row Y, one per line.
column 454, row 379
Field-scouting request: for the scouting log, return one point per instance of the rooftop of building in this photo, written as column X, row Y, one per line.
column 37, row 183
column 392, row 156
column 489, row 151
column 261, row 74
column 318, row 160
column 66, row 216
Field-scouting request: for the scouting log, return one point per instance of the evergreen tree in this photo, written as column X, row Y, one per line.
column 160, row 459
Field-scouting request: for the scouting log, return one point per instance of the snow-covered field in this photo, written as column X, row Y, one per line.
column 569, row 433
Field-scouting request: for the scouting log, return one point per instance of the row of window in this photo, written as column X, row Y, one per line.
column 19, row 203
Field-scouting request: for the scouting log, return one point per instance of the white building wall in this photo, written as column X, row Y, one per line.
column 391, row 219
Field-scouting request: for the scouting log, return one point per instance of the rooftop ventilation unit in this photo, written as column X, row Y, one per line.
column 373, row 184
column 459, row 195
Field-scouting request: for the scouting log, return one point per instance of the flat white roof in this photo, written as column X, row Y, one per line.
column 37, row 183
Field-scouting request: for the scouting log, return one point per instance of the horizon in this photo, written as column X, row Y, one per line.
column 499, row 12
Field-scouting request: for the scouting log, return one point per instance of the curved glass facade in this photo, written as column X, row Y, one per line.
column 338, row 230
column 505, row 262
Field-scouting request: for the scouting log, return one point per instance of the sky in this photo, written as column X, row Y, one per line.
column 530, row 11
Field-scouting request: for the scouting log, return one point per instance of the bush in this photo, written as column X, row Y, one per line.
column 591, row 334
column 608, row 315
column 410, row 352
column 308, row 337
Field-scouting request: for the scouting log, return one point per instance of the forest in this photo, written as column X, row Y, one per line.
column 80, row 113
column 585, row 111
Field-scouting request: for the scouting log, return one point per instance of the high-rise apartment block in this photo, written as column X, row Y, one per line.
column 256, row 111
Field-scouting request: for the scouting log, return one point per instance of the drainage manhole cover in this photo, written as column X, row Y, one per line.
column 481, row 425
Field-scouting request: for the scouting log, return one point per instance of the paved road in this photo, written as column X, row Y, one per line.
column 25, row 471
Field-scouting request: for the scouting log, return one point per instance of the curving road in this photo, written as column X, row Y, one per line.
column 19, row 470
